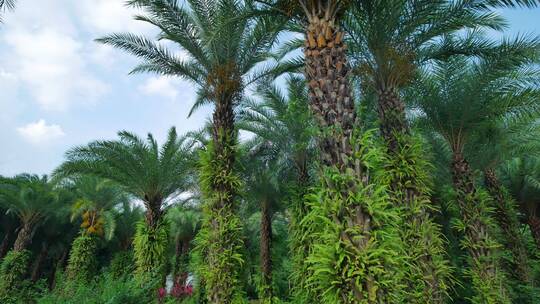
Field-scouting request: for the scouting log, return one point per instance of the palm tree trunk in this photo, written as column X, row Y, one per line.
column 420, row 235
column 177, row 256
column 266, row 293
column 153, row 212
column 36, row 272
column 534, row 224
column 393, row 123
column 4, row 247
column 506, row 216
column 329, row 92
column 484, row 263
column 327, row 74
column 223, row 245
column 23, row 237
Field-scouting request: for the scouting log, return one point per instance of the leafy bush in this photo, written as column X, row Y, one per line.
column 150, row 245
column 82, row 260
column 12, row 275
column 104, row 289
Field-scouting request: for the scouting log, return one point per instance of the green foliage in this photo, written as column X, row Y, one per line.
column 150, row 245
column 105, row 289
column 122, row 264
column 13, row 271
column 429, row 274
column 218, row 245
column 347, row 265
column 82, row 261
column 488, row 281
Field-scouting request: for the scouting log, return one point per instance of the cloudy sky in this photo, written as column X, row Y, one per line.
column 58, row 88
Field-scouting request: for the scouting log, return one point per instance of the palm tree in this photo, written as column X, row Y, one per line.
column 344, row 155
column 222, row 50
column 457, row 97
column 146, row 172
column 31, row 199
column 96, row 199
column 185, row 223
column 521, row 176
column 263, row 176
column 493, row 144
column 283, row 125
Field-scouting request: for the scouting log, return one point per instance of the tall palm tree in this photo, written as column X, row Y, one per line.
column 344, row 155
column 493, row 144
column 149, row 173
column 222, row 49
column 283, row 125
column 263, row 176
column 455, row 98
column 95, row 201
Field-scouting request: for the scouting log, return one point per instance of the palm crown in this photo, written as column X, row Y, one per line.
column 221, row 48
column 459, row 96
column 147, row 172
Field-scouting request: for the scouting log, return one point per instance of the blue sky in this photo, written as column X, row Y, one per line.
column 58, row 88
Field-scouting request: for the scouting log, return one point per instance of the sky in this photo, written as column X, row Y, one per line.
column 59, row 88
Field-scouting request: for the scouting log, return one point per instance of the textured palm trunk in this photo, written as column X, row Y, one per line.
column 534, row 224
column 221, row 256
column 421, row 236
column 327, row 72
column 4, row 247
column 393, row 123
column 153, row 211
column 506, row 216
column 24, row 236
column 36, row 272
column 483, row 260
column 266, row 293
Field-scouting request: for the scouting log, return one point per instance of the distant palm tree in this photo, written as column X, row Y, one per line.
column 147, row 172
column 95, row 200
column 454, row 98
column 284, row 128
column 222, row 50
column 521, row 176
column 495, row 143
column 185, row 223
column 31, row 199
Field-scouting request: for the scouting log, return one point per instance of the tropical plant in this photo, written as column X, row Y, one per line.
column 455, row 97
column 96, row 199
column 148, row 173
column 185, row 223
column 494, row 143
column 283, row 126
column 521, row 176
column 223, row 48
column 31, row 199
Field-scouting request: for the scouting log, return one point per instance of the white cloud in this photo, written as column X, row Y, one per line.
column 161, row 86
column 40, row 132
column 51, row 63
column 106, row 16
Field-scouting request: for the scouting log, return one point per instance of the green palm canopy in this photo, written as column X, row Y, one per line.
column 150, row 173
